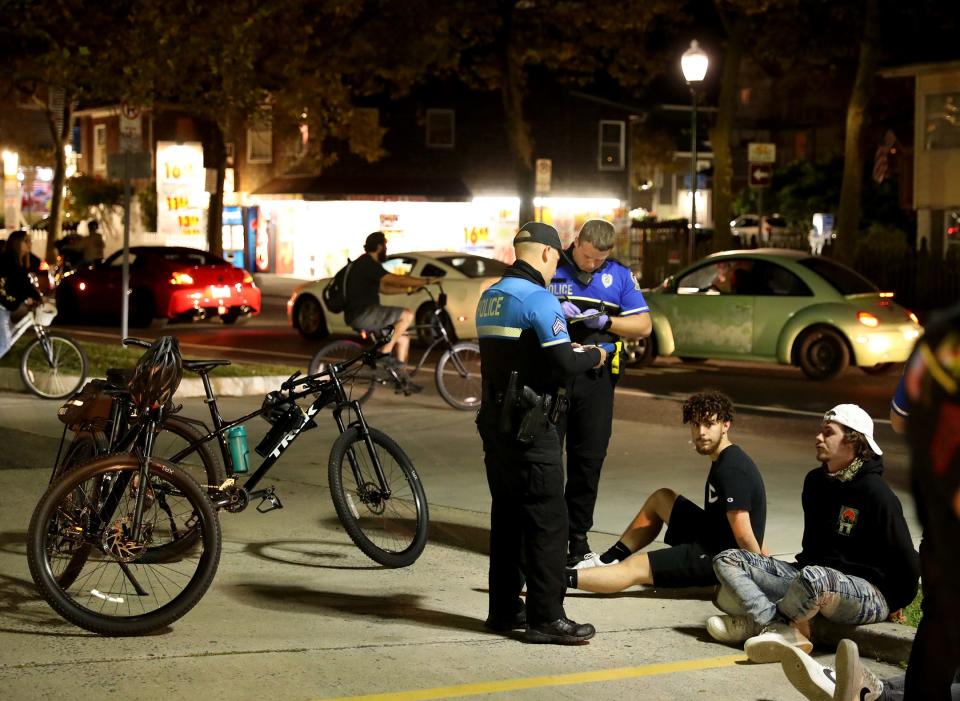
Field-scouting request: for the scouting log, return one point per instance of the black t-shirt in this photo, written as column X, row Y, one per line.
column 734, row 484
column 363, row 285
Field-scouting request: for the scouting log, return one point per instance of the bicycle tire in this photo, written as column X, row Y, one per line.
column 62, row 518
column 392, row 532
column 360, row 381
column 36, row 371
column 459, row 384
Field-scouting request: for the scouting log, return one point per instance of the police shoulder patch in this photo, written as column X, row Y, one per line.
column 559, row 326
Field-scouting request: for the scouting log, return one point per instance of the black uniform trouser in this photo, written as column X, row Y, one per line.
column 586, row 429
column 528, row 528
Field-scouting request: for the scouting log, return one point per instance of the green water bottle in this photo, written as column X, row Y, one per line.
column 237, row 440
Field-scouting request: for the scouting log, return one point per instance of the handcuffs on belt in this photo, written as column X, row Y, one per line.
column 540, row 412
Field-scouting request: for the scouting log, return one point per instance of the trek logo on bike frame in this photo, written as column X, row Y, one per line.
column 288, row 439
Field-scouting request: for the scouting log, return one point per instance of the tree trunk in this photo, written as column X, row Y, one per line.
column 61, row 137
column 218, row 153
column 511, row 94
column 848, row 218
column 720, row 137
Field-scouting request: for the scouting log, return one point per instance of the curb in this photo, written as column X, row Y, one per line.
column 189, row 387
column 886, row 642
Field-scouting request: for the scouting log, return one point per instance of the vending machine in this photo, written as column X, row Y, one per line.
column 234, row 237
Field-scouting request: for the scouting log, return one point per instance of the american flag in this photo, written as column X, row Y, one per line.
column 882, row 156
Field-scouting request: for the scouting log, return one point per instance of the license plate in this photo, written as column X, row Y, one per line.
column 219, row 290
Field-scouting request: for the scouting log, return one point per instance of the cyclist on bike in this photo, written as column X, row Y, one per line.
column 16, row 287
column 366, row 280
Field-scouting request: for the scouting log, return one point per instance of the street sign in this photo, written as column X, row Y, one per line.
column 761, row 153
column 129, row 165
column 760, row 174
column 544, row 168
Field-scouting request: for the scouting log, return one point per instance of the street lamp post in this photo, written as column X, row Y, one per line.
column 694, row 64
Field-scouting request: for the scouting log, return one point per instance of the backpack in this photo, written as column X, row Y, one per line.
column 335, row 292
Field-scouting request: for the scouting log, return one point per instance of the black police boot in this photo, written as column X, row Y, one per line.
column 579, row 549
column 562, row 631
column 504, row 624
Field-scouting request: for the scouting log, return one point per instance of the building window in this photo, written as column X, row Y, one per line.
column 440, row 128
column 260, row 141
column 99, row 147
column 942, row 121
column 667, row 184
column 611, row 145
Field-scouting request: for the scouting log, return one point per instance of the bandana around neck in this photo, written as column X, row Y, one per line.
column 847, row 473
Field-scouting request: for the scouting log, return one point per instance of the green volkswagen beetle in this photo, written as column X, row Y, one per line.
column 778, row 306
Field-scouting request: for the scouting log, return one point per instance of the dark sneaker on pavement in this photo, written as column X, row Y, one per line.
column 504, row 624
column 854, row 681
column 579, row 550
column 562, row 631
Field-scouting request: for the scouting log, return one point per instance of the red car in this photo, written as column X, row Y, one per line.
column 180, row 284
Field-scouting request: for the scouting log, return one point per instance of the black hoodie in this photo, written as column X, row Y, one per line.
column 857, row 527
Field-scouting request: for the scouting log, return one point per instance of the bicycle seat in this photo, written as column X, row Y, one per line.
column 202, row 367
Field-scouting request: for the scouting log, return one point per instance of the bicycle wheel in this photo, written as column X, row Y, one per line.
column 390, row 529
column 53, row 366
column 173, row 443
column 458, row 376
column 359, row 382
column 115, row 591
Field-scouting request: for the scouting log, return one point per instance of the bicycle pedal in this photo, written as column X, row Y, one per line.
column 269, row 502
column 409, row 388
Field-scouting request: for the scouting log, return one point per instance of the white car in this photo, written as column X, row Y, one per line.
column 747, row 228
column 465, row 277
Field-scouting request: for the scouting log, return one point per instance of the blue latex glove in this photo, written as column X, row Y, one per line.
column 608, row 347
column 570, row 309
column 597, row 320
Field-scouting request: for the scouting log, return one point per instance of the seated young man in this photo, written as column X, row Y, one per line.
column 857, row 564
column 734, row 514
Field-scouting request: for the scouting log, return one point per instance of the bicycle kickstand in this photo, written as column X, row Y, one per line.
column 268, row 500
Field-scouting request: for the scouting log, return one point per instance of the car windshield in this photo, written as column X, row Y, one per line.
column 847, row 281
column 475, row 266
column 188, row 258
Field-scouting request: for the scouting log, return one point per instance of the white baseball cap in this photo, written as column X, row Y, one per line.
column 852, row 416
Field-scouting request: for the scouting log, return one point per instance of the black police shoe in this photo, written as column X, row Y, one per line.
column 562, row 631
column 504, row 624
column 579, row 549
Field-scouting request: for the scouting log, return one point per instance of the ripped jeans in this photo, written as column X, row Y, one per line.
column 768, row 588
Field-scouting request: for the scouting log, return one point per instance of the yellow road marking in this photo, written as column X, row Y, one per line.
column 493, row 687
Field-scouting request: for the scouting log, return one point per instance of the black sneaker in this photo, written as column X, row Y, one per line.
column 499, row 624
column 562, row 631
column 579, row 550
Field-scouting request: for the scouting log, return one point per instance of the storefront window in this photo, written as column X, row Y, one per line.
column 942, row 121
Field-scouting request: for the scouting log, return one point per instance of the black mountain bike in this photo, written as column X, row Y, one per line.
column 457, row 373
column 120, row 560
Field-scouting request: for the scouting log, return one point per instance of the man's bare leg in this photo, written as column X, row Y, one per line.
column 646, row 525
column 399, row 338
column 613, row 578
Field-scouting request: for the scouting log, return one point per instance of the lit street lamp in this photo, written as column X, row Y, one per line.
column 694, row 64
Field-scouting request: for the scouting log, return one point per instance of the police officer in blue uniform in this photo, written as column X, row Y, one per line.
column 602, row 303
column 526, row 359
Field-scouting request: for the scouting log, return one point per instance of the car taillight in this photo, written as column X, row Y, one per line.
column 181, row 279
column 912, row 317
column 247, row 279
column 868, row 319
column 44, row 265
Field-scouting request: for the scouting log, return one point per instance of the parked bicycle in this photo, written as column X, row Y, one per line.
column 53, row 365
column 119, row 560
column 457, row 373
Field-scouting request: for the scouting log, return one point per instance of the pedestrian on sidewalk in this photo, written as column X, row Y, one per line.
column 526, row 358
column 857, row 562
column 602, row 303
column 734, row 515
column 16, row 287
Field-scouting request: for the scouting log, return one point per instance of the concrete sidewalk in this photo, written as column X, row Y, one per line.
column 296, row 611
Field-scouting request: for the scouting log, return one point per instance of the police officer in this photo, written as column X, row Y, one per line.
column 526, row 358
column 602, row 303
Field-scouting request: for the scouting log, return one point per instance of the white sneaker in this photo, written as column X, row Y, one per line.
column 725, row 600
column 732, row 629
column 769, row 644
column 854, row 681
column 592, row 560
column 809, row 677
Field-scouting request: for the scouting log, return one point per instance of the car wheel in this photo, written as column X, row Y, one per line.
column 424, row 319
column 822, row 354
column 878, row 369
column 68, row 309
column 645, row 351
column 309, row 319
column 142, row 312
